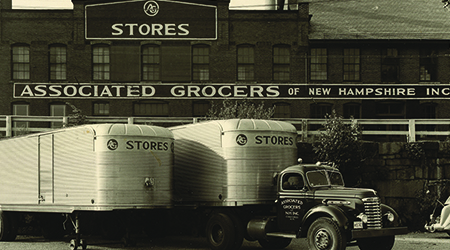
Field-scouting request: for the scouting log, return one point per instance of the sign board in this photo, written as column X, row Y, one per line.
column 150, row 20
column 224, row 90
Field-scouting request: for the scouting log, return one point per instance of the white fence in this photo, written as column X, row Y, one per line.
column 409, row 130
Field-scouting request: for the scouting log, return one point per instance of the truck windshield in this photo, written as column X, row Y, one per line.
column 324, row 178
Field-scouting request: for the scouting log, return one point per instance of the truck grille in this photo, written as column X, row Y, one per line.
column 373, row 211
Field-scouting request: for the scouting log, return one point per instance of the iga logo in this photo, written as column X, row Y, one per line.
column 241, row 139
column 112, row 144
column 151, row 8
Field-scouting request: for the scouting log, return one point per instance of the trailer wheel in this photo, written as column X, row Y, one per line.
column 325, row 234
column 275, row 243
column 8, row 226
column 378, row 243
column 220, row 232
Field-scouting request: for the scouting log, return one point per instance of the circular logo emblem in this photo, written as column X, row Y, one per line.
column 241, row 139
column 151, row 8
column 112, row 144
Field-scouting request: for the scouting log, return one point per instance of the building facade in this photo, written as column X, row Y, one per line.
column 166, row 58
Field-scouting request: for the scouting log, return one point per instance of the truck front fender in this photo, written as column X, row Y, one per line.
column 333, row 212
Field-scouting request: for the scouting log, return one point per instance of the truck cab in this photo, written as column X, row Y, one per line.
column 313, row 202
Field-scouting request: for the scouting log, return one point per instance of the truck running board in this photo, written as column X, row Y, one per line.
column 282, row 235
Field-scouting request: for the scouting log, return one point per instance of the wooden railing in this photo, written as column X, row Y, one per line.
column 409, row 130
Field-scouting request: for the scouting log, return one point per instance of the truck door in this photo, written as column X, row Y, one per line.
column 45, row 169
column 293, row 201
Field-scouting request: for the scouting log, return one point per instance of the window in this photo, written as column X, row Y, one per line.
column 318, row 66
column 20, row 109
column 428, row 65
column 352, row 110
column 100, row 62
column 281, row 63
column 351, row 65
column 293, row 181
column 282, row 110
column 21, row 62
column 151, row 63
column 151, row 109
column 101, row 108
column 390, row 65
column 394, row 110
column 200, row 63
column 200, row 108
column 320, row 110
column 57, row 110
column 246, row 63
column 58, row 62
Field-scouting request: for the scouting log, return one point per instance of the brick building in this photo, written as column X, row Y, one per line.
column 173, row 58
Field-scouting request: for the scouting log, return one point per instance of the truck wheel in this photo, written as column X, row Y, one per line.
column 275, row 243
column 377, row 243
column 325, row 234
column 220, row 232
column 8, row 226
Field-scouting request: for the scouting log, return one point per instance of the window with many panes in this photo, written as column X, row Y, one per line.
column 281, row 63
column 101, row 62
column 21, row 109
column 428, row 65
column 351, row 65
column 318, row 64
column 200, row 108
column 246, row 63
column 21, row 62
column 57, row 110
column 200, row 63
column 151, row 63
column 320, row 110
column 352, row 110
column 58, row 62
column 101, row 108
column 151, row 108
column 282, row 110
column 389, row 65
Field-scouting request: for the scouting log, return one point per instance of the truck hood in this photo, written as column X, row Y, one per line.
column 343, row 192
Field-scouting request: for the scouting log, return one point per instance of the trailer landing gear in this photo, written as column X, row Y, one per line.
column 77, row 242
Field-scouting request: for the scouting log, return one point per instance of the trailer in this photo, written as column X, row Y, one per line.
column 89, row 168
column 240, row 178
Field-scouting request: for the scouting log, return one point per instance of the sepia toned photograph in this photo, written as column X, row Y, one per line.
column 224, row 124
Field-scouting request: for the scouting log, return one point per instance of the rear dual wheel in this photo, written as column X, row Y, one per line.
column 224, row 232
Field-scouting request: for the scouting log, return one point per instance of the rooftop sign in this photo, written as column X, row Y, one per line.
column 151, row 20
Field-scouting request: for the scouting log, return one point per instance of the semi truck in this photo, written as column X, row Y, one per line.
column 105, row 169
column 241, row 180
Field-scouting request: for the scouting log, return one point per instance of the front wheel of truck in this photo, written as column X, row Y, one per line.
column 325, row 234
column 377, row 243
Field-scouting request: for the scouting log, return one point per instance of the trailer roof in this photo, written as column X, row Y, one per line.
column 247, row 124
column 131, row 129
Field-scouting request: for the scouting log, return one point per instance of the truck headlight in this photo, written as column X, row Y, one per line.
column 363, row 217
column 390, row 216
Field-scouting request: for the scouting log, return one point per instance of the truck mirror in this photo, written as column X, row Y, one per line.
column 274, row 178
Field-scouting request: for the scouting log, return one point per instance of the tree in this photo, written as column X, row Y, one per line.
column 76, row 117
column 341, row 144
column 242, row 109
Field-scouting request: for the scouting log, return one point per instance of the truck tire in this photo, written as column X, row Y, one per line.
column 378, row 243
column 8, row 226
column 325, row 234
column 220, row 232
column 275, row 243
